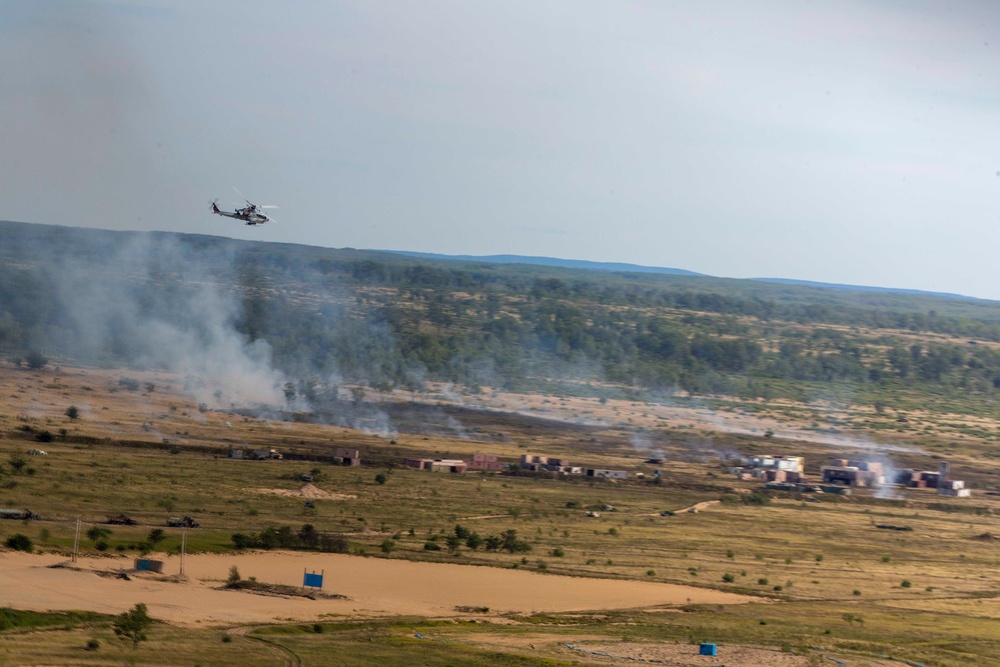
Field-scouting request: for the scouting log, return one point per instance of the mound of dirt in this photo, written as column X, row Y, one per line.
column 309, row 491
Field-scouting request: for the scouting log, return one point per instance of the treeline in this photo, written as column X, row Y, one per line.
column 284, row 537
column 385, row 321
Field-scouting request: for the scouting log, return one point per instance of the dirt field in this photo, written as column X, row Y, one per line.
column 373, row 586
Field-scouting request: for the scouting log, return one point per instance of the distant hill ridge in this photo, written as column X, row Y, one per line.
column 638, row 268
column 548, row 261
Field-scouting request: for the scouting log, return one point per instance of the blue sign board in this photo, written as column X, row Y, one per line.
column 312, row 579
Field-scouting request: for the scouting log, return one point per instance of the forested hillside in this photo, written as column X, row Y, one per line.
column 322, row 316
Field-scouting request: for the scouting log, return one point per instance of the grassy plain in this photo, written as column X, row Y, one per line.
column 929, row 594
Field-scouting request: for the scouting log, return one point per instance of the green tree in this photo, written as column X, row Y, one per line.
column 17, row 461
column 156, row 536
column 133, row 625
column 72, row 412
column 474, row 541
column 96, row 533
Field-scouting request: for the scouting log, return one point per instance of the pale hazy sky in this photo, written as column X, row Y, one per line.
column 854, row 142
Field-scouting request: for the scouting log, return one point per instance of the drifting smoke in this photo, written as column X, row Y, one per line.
column 154, row 302
column 643, row 447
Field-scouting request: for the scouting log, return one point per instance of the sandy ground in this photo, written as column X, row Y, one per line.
column 307, row 491
column 373, row 586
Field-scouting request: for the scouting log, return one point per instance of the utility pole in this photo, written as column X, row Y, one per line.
column 76, row 540
column 183, row 545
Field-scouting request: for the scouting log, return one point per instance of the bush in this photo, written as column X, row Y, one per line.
column 431, row 546
column 20, row 542
column 36, row 360
column 906, row 583
column 381, row 478
column 130, row 384
column 729, row 578
column 73, row 412
column 93, row 645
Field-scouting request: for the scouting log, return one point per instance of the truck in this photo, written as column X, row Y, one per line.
column 121, row 520
column 182, row 522
column 18, row 515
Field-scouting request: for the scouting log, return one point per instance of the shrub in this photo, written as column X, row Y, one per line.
column 20, row 542
column 93, row 645
column 762, row 581
column 381, row 478
column 36, row 360
column 906, row 583
column 130, row 384
column 729, row 577
column 431, row 546
column 73, row 412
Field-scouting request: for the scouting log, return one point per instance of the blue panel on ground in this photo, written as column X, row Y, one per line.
column 706, row 649
column 314, row 580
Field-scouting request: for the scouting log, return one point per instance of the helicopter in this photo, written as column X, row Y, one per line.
column 250, row 214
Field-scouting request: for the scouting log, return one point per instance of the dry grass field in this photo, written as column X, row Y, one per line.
column 826, row 575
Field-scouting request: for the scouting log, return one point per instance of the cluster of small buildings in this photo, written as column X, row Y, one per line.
column 254, row 454
column 437, row 465
column 539, row 462
column 786, row 473
column 854, row 473
column 769, row 468
column 940, row 480
column 532, row 462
